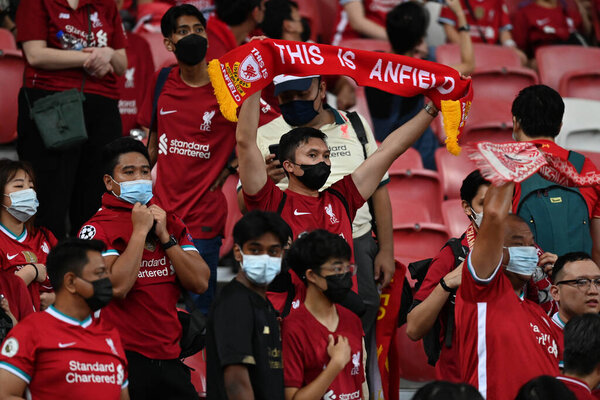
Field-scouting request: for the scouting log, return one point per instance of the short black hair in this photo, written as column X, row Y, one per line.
column 442, row 390
column 122, row 145
column 582, row 344
column 168, row 22
column 277, row 11
column 311, row 250
column 567, row 258
column 545, row 387
column 234, row 12
column 289, row 142
column 470, row 186
column 256, row 223
column 406, row 25
column 69, row 255
column 539, row 110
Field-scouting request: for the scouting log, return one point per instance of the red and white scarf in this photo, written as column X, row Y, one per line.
column 249, row 68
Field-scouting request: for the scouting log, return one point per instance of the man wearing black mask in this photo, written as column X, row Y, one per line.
column 194, row 141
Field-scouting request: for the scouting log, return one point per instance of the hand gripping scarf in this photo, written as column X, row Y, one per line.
column 249, row 68
column 515, row 162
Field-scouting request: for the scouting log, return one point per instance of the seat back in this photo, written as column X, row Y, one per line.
column 160, row 55
column 417, row 241
column 581, row 84
column 554, row 61
column 418, row 186
column 486, row 56
column 452, row 169
column 197, row 365
column 454, row 217
column 7, row 40
column 581, row 125
column 408, row 212
column 412, row 361
column 12, row 66
column 411, row 159
column 233, row 212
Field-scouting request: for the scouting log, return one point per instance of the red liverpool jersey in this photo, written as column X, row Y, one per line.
column 147, row 317
column 504, row 340
column 579, row 388
column 305, row 352
column 61, row 357
column 491, row 17
column 558, row 327
column 194, row 143
column 28, row 247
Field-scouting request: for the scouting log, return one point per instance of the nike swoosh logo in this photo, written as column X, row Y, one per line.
column 296, row 212
column 11, row 257
column 162, row 112
column 63, row 345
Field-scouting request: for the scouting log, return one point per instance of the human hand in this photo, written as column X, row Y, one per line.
column 98, row 62
column 339, row 352
column 384, row 267
column 453, row 278
column 160, row 225
column 546, row 262
column 6, row 308
column 455, row 6
column 46, row 300
column 141, row 218
column 274, row 168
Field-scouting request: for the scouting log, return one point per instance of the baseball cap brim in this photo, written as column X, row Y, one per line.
column 290, row 82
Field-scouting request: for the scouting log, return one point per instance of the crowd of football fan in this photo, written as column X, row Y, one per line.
column 101, row 241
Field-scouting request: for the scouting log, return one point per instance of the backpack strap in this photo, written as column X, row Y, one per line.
column 281, row 203
column 160, row 82
column 459, row 256
column 343, row 200
column 577, row 159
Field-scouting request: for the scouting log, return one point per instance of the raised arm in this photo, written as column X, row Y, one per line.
column 250, row 160
column 467, row 57
column 368, row 175
column 489, row 244
column 361, row 24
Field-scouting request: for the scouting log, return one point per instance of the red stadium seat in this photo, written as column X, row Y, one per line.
column 489, row 120
column 197, row 364
column 581, row 84
column 452, row 170
column 412, row 361
column 454, row 217
column 411, row 159
column 160, row 55
column 233, row 212
column 555, row 61
column 367, row 44
column 417, row 241
column 418, row 185
column 7, row 40
column 486, row 56
column 408, row 212
column 309, row 9
column 11, row 80
column 593, row 156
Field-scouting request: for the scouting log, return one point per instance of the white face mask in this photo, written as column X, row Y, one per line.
column 23, row 204
column 476, row 217
column 260, row 269
column 523, row 260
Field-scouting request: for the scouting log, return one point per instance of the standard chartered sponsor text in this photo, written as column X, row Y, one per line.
column 189, row 149
column 92, row 373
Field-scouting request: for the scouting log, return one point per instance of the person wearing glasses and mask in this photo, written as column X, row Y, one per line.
column 24, row 247
column 150, row 256
column 323, row 350
column 243, row 347
column 576, row 288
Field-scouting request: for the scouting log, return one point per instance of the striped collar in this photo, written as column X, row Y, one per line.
column 557, row 321
column 574, row 381
column 21, row 238
column 67, row 319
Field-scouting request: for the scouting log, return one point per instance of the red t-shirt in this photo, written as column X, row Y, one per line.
column 579, row 388
column 220, row 38
column 491, row 17
column 43, row 19
column 558, row 327
column 136, row 81
column 195, row 142
column 307, row 213
column 29, row 247
column 536, row 26
column 59, row 356
column 147, row 317
column 505, row 341
column 305, row 355
column 375, row 10
column 590, row 194
column 447, row 367
column 14, row 290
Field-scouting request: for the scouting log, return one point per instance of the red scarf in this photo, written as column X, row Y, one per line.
column 515, row 162
column 249, row 68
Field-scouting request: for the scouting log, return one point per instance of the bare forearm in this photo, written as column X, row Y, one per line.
column 451, row 34
column 53, row 59
column 124, row 271
column 467, row 56
column 317, row 388
column 361, row 24
column 191, row 270
column 421, row 318
column 119, row 62
column 250, row 160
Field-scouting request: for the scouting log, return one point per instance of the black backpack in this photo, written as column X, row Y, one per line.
column 418, row 271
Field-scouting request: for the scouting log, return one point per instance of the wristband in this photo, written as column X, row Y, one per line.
column 172, row 242
column 37, row 272
column 431, row 110
column 446, row 287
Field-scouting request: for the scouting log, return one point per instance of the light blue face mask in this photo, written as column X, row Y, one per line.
column 138, row 191
column 523, row 260
column 260, row 269
column 23, row 204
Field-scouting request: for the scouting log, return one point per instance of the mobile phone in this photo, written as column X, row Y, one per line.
column 274, row 149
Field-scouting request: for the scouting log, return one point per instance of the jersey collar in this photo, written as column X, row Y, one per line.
column 575, row 381
column 559, row 322
column 67, row 319
column 21, row 238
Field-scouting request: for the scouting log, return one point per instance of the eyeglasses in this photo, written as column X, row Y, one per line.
column 340, row 269
column 582, row 283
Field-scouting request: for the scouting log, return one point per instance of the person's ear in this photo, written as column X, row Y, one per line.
column 288, row 166
column 237, row 253
column 110, row 184
column 311, row 276
column 466, row 207
column 169, row 45
column 69, row 282
column 555, row 293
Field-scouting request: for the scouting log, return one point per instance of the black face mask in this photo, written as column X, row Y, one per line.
column 315, row 175
column 103, row 293
column 299, row 112
column 338, row 287
column 191, row 49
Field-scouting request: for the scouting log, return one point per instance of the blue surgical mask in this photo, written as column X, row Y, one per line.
column 138, row 191
column 523, row 260
column 260, row 269
column 23, row 204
